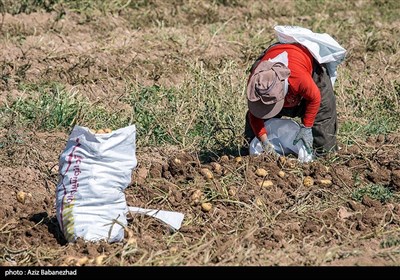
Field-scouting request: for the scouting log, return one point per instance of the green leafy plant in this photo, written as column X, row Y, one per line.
column 374, row 191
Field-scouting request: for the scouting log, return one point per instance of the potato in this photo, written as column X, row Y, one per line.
column 132, row 241
column 238, row 159
column 281, row 174
column 177, row 161
column 216, row 166
column 261, row 172
column 232, row 191
column 206, row 206
column 282, row 160
column 173, row 250
column 100, row 131
column 325, row 182
column 258, row 201
column 196, row 196
column 82, row 261
column 128, row 233
column 107, row 130
column 21, row 197
column 266, row 184
column 224, row 158
column 207, row 173
column 308, row 181
column 99, row 259
column 70, row 260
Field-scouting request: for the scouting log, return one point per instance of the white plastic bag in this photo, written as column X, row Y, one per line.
column 281, row 133
column 321, row 45
column 94, row 171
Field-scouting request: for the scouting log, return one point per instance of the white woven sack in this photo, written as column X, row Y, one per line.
column 322, row 46
column 94, row 171
column 281, row 133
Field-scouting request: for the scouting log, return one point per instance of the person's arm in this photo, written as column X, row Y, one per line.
column 258, row 127
column 311, row 93
column 259, row 130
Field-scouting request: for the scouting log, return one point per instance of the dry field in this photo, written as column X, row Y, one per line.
column 177, row 70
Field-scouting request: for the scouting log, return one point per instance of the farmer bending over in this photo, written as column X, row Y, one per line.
column 300, row 89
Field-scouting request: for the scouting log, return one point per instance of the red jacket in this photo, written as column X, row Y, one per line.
column 301, row 84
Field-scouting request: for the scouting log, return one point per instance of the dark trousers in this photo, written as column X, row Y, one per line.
column 325, row 125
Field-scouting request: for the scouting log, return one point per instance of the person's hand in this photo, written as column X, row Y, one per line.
column 305, row 134
column 268, row 147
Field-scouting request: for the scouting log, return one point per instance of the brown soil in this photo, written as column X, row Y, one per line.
column 283, row 224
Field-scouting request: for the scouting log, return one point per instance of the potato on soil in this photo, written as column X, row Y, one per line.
column 281, row 174
column 261, row 172
column 232, row 191
column 282, row 160
column 21, row 197
column 206, row 173
column 238, row 159
column 265, row 183
column 206, row 206
column 286, row 162
column 216, row 167
column 173, row 250
column 99, row 259
column 224, row 158
column 70, row 260
column 308, row 181
column 325, row 182
column 196, row 196
column 259, row 201
column 82, row 261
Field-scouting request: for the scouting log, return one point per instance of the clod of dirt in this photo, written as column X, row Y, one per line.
column 343, row 213
column 308, row 181
column 206, row 173
column 266, row 184
column 281, row 174
column 261, row 172
column 155, row 170
column 395, row 180
column 142, row 174
column 369, row 202
column 21, row 197
column 206, row 206
column 354, row 205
